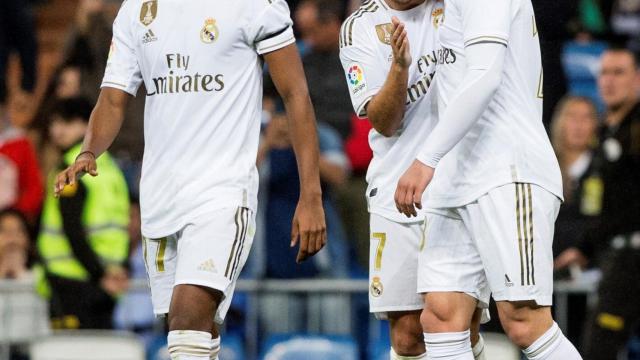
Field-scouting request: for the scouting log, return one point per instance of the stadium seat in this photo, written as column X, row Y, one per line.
column 296, row 347
column 498, row 347
column 23, row 313
column 83, row 345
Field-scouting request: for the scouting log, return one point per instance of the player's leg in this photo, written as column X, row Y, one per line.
column 452, row 277
column 211, row 253
column 512, row 227
column 393, row 264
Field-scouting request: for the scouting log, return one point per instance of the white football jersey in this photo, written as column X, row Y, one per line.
column 201, row 66
column 366, row 56
column 508, row 144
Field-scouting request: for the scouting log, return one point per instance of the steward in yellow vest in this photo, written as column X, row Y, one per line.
column 83, row 242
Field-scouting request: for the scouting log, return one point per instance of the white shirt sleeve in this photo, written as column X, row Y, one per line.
column 123, row 70
column 485, row 62
column 485, row 21
column 270, row 28
column 365, row 74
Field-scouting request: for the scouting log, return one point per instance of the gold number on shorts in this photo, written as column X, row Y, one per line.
column 540, row 93
column 162, row 247
column 382, row 237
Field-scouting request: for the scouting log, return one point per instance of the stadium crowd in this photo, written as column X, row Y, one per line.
column 83, row 252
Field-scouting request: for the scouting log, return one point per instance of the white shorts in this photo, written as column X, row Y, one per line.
column 499, row 245
column 210, row 251
column 393, row 265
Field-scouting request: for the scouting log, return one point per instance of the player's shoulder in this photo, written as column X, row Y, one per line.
column 356, row 25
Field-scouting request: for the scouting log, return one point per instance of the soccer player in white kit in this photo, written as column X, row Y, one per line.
column 201, row 63
column 498, row 180
column 389, row 52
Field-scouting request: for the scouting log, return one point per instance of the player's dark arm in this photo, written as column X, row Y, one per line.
column 386, row 109
column 71, row 209
column 288, row 76
column 104, row 125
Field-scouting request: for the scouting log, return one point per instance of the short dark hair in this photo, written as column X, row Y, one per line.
column 72, row 108
column 619, row 48
column 328, row 9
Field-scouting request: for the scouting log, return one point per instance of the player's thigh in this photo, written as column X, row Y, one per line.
column 449, row 260
column 513, row 228
column 160, row 258
column 212, row 251
column 393, row 265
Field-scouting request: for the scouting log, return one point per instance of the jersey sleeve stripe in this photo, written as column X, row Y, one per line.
column 371, row 8
column 277, row 46
column 274, row 34
column 347, row 26
column 362, row 109
column 486, row 39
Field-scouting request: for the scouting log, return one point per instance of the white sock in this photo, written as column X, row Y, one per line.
column 189, row 345
column 395, row 356
column 448, row 346
column 478, row 349
column 215, row 348
column 552, row 345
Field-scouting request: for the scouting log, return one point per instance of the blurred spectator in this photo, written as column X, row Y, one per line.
column 14, row 244
column 20, row 180
column 86, row 54
column 17, row 33
column 134, row 311
column 573, row 134
column 625, row 21
column 278, row 165
column 319, row 23
column 84, row 241
column 615, row 238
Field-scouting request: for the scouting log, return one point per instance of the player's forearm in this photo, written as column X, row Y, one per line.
column 386, row 109
column 480, row 83
column 105, row 121
column 304, row 139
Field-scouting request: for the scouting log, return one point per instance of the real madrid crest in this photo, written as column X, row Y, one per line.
column 438, row 17
column 384, row 32
column 209, row 32
column 148, row 12
column 376, row 287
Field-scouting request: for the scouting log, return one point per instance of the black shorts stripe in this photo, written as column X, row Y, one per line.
column 533, row 275
column 519, row 229
column 235, row 243
column 243, row 235
column 525, row 229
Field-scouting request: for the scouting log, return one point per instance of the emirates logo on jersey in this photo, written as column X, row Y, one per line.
column 181, row 80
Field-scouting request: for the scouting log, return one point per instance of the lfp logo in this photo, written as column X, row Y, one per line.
column 355, row 76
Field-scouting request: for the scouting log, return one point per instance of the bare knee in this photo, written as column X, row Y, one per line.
column 524, row 322
column 447, row 312
column 193, row 308
column 406, row 333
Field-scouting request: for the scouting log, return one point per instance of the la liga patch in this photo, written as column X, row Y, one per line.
column 356, row 80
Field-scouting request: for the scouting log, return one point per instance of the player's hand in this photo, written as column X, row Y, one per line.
column 411, row 186
column 400, row 44
column 85, row 163
column 308, row 227
column 571, row 256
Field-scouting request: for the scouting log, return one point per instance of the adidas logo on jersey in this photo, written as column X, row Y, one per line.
column 208, row 266
column 148, row 37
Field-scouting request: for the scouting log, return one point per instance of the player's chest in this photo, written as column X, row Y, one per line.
column 193, row 28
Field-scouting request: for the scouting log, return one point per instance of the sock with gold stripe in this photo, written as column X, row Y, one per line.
column 189, row 345
column 552, row 345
